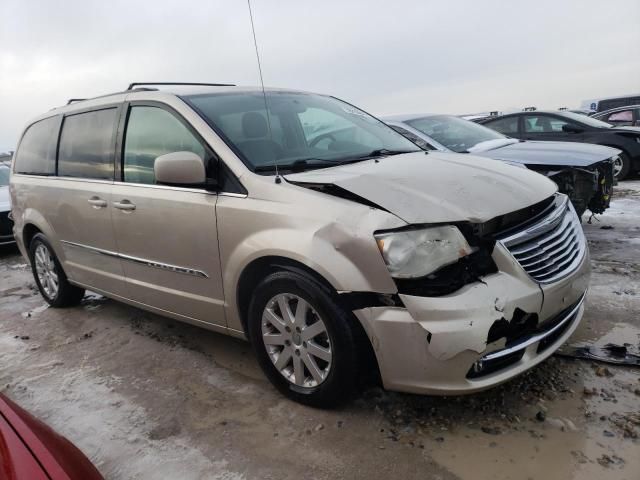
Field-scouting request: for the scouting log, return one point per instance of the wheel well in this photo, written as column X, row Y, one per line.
column 28, row 233
column 257, row 270
column 617, row 148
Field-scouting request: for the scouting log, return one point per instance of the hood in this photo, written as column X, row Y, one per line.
column 628, row 128
column 554, row 154
column 5, row 200
column 438, row 187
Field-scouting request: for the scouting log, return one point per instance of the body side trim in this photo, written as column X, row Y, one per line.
column 143, row 261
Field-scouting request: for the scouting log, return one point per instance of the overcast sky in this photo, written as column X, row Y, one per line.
column 384, row 56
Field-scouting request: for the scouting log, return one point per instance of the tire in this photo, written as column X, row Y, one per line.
column 46, row 270
column 625, row 168
column 339, row 374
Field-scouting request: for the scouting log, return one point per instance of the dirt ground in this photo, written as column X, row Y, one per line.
column 145, row 397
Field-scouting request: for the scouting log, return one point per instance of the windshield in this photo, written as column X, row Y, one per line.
column 592, row 122
column 4, row 176
column 454, row 133
column 310, row 130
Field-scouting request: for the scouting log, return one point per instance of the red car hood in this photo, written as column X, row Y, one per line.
column 30, row 450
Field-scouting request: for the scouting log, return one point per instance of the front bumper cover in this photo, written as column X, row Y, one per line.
column 432, row 345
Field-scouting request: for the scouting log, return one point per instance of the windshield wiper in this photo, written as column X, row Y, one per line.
column 381, row 152
column 299, row 165
column 385, row 152
column 309, row 163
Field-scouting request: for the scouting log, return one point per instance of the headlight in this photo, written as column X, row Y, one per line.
column 416, row 253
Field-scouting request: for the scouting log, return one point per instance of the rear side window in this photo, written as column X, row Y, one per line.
column 624, row 117
column 87, row 145
column 37, row 152
column 151, row 132
column 507, row 125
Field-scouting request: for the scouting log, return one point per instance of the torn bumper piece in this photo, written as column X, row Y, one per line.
column 440, row 345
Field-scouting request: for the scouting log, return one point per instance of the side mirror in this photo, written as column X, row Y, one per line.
column 179, row 168
column 570, row 128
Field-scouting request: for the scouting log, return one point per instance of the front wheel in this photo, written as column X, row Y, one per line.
column 49, row 275
column 303, row 339
column 621, row 166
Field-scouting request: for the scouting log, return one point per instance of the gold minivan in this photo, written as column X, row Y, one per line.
column 298, row 221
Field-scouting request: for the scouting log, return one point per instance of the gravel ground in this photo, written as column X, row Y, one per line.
column 146, row 397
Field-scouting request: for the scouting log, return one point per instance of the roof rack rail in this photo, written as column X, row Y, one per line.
column 135, row 84
column 74, row 100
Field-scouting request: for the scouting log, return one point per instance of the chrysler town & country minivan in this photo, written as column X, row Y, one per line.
column 309, row 227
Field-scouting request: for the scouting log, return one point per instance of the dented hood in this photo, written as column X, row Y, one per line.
column 553, row 154
column 438, row 187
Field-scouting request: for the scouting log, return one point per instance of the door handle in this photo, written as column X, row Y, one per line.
column 124, row 205
column 97, row 202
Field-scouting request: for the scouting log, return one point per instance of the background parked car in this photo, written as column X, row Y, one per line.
column 571, row 127
column 6, row 225
column 602, row 104
column 584, row 172
column 621, row 116
column 30, row 450
column 5, row 158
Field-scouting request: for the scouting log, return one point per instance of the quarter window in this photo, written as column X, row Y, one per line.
column 621, row 118
column 507, row 125
column 152, row 132
column 87, row 145
column 37, row 152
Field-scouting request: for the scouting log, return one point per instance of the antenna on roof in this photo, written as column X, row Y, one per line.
column 264, row 95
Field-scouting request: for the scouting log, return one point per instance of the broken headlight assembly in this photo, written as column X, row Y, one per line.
column 416, row 253
column 434, row 261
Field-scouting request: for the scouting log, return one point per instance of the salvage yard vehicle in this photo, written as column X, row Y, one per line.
column 621, row 116
column 6, row 225
column 572, row 127
column 581, row 171
column 331, row 242
column 31, row 450
column 602, row 104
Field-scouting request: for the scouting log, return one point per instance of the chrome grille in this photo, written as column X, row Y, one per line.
column 552, row 246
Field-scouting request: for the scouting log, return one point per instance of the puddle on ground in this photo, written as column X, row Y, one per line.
column 582, row 437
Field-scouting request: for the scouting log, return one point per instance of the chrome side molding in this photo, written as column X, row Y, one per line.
column 142, row 261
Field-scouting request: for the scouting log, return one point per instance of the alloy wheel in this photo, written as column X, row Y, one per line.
column 618, row 164
column 46, row 271
column 296, row 340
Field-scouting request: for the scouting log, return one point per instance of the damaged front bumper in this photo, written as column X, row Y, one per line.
column 588, row 188
column 462, row 343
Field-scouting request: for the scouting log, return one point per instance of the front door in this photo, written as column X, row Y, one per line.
column 167, row 236
column 548, row 127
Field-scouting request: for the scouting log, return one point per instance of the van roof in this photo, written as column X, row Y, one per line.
column 172, row 90
column 177, row 89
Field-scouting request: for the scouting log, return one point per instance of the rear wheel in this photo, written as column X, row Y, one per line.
column 49, row 275
column 621, row 166
column 303, row 339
